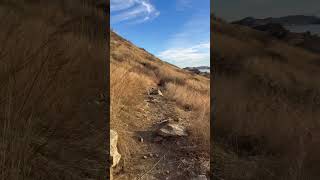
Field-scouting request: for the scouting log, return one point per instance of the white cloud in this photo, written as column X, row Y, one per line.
column 134, row 11
column 186, row 47
column 195, row 55
column 117, row 5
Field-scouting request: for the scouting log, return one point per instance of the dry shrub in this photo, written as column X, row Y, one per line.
column 126, row 87
column 239, row 32
column 295, row 55
column 166, row 73
column 126, row 95
column 187, row 97
column 234, row 48
column 200, row 129
column 197, row 85
column 272, row 124
column 123, row 54
column 199, row 103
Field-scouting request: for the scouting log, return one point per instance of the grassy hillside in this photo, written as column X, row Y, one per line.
column 52, row 75
column 267, row 114
column 186, row 96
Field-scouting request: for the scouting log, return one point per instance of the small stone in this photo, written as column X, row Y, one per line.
column 155, row 91
column 145, row 157
column 167, row 171
column 111, row 174
column 140, row 139
column 163, row 121
column 115, row 156
column 172, row 130
column 159, row 92
column 204, row 166
column 97, row 102
column 151, row 155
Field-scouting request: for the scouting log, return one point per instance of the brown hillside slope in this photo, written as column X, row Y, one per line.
column 52, row 59
column 267, row 114
column 135, row 115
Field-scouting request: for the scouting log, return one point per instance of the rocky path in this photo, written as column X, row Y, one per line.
column 168, row 155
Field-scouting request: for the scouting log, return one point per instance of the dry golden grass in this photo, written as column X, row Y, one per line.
column 126, row 94
column 187, row 96
column 49, row 72
column 133, row 72
column 202, row 86
column 267, row 105
column 191, row 98
column 166, row 73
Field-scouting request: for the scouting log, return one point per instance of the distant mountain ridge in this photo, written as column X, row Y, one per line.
column 276, row 27
column 198, row 67
column 286, row 20
column 203, row 67
column 199, row 70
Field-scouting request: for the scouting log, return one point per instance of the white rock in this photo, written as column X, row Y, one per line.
column 113, row 148
column 200, row 177
column 159, row 92
column 172, row 130
column 140, row 139
column 111, row 174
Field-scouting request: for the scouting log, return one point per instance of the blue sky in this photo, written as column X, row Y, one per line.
column 177, row 31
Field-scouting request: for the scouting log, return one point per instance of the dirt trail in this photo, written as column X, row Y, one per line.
column 170, row 158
